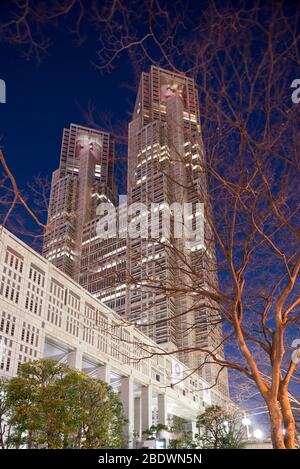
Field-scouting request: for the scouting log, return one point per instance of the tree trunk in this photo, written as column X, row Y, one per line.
column 288, row 418
column 276, row 424
column 29, row 441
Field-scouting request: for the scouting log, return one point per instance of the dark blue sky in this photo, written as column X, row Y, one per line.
column 42, row 98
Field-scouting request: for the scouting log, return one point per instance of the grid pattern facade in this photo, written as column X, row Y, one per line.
column 73, row 321
column 165, row 166
column 84, row 177
column 166, row 161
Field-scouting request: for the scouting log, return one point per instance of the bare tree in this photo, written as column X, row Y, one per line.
column 24, row 210
column 244, row 59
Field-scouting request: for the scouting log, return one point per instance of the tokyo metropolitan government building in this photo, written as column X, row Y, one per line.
column 154, row 284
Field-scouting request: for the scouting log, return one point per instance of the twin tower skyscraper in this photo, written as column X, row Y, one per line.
column 155, row 283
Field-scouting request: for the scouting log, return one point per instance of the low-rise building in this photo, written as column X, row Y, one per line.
column 44, row 313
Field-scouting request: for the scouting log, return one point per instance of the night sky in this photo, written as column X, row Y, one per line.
column 43, row 98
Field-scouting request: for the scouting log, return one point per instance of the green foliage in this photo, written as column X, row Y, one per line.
column 184, row 441
column 178, row 424
column 53, row 406
column 185, row 438
column 154, row 431
column 219, row 429
column 5, row 427
column 150, row 433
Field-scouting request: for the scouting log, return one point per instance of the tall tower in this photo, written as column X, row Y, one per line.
column 157, row 283
column 167, row 276
column 84, row 176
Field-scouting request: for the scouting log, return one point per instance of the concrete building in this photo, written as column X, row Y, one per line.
column 44, row 313
column 84, row 177
column 166, row 166
column 155, row 284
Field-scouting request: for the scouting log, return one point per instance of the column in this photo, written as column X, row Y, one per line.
column 74, row 359
column 146, row 404
column 103, row 373
column 162, row 409
column 126, row 397
column 137, row 416
column 194, row 428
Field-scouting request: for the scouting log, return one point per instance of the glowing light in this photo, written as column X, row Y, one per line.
column 258, row 434
column 246, row 421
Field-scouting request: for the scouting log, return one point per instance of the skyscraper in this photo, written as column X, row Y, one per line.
column 84, row 177
column 157, row 283
column 168, row 276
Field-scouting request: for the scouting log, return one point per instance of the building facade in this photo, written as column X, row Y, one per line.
column 84, row 177
column 155, row 282
column 168, row 274
column 44, row 313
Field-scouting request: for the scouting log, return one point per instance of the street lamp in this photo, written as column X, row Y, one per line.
column 246, row 422
column 258, row 434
